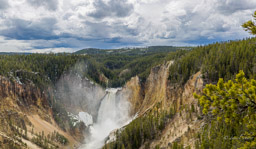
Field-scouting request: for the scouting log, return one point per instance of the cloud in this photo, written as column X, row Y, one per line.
column 48, row 4
column 76, row 24
column 13, row 45
column 232, row 6
column 30, row 30
column 112, row 8
column 3, row 4
column 105, row 30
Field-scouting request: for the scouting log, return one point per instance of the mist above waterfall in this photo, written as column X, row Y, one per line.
column 113, row 113
column 102, row 111
column 78, row 93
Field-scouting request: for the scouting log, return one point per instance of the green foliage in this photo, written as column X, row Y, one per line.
column 176, row 145
column 9, row 144
column 119, row 65
column 49, row 141
column 219, row 60
column 41, row 69
column 61, row 139
column 119, row 68
column 141, row 130
column 250, row 25
column 232, row 104
column 46, row 69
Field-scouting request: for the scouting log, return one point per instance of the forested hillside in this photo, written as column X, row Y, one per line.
column 41, row 69
column 119, row 65
column 219, row 60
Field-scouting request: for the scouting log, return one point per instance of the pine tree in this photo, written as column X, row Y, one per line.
column 250, row 25
column 233, row 103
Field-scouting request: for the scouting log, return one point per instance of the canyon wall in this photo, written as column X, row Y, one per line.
column 25, row 112
column 187, row 119
column 159, row 92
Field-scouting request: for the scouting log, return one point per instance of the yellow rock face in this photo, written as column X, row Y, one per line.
column 156, row 87
column 133, row 92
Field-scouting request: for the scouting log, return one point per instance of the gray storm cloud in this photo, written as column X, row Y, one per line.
column 4, row 4
column 29, row 30
column 113, row 8
column 48, row 4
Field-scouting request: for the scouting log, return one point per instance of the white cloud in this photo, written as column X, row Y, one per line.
column 75, row 24
column 13, row 45
column 50, row 50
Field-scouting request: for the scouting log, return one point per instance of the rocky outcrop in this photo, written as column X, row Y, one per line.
column 186, row 122
column 154, row 90
column 156, row 87
column 132, row 92
column 27, row 97
column 25, row 111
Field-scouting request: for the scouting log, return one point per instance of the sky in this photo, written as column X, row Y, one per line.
column 71, row 25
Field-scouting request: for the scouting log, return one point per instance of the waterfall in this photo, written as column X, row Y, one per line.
column 113, row 113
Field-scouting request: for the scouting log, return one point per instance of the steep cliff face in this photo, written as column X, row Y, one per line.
column 25, row 114
column 186, row 122
column 24, row 97
column 132, row 92
column 156, row 87
column 154, row 91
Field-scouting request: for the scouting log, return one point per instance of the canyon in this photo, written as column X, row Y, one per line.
column 103, row 111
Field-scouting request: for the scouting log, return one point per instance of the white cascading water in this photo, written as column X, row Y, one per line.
column 86, row 118
column 113, row 114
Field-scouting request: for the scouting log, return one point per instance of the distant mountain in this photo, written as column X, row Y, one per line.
column 14, row 53
column 130, row 51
